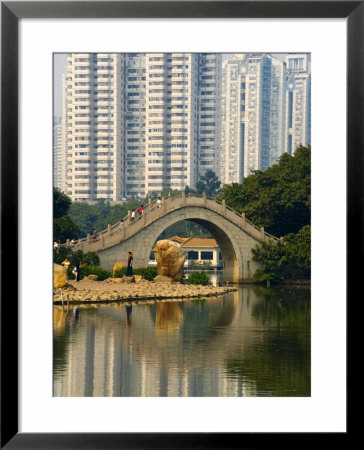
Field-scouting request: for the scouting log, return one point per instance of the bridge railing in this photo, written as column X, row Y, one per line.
column 120, row 231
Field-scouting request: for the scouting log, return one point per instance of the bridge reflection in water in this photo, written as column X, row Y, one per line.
column 254, row 342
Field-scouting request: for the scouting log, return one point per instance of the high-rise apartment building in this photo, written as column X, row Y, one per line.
column 298, row 99
column 171, row 119
column 57, row 152
column 264, row 112
column 232, row 119
column 253, row 118
column 209, row 112
column 94, row 110
column 134, row 123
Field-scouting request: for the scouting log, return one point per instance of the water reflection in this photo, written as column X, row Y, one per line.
column 168, row 319
column 254, row 342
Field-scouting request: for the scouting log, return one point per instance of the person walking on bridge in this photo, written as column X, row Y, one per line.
column 94, row 235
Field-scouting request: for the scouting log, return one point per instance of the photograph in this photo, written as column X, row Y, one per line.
column 176, row 267
column 182, row 224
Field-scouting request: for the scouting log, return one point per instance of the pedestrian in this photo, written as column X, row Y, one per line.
column 133, row 214
column 55, row 245
column 66, row 263
column 129, row 268
column 140, row 209
column 77, row 270
column 121, row 224
column 73, row 242
column 94, row 235
column 159, row 202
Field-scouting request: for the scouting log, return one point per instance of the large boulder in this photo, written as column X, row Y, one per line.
column 92, row 277
column 128, row 279
column 60, row 277
column 114, row 280
column 170, row 259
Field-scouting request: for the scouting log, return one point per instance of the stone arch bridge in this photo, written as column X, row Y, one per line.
column 235, row 235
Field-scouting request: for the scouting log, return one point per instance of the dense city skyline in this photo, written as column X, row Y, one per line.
column 137, row 123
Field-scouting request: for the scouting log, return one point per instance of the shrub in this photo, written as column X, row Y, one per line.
column 88, row 258
column 287, row 258
column 198, row 278
column 120, row 272
column 91, row 259
column 61, row 254
column 101, row 273
column 149, row 273
column 88, row 270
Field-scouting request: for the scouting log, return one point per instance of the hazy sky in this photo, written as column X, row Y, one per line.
column 60, row 65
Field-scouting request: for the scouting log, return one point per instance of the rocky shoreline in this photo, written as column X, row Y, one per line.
column 111, row 290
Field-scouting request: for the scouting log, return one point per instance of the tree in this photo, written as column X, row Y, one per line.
column 289, row 257
column 208, row 183
column 61, row 203
column 278, row 199
column 167, row 190
column 84, row 216
column 64, row 228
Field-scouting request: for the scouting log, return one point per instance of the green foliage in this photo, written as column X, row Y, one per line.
column 185, row 228
column 198, row 278
column 149, row 273
column 89, row 258
column 208, row 183
column 120, row 272
column 61, row 203
column 88, row 217
column 85, row 216
column 278, row 199
column 78, row 255
column 167, row 190
column 61, row 254
column 64, row 228
column 287, row 258
column 101, row 273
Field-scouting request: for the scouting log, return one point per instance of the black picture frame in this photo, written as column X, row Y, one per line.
column 11, row 13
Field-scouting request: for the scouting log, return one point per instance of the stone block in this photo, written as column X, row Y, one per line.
column 60, row 277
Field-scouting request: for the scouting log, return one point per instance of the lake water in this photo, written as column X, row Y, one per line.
column 253, row 342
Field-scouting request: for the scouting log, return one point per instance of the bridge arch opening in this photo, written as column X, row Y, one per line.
column 225, row 241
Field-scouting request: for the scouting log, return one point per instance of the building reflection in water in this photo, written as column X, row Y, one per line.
column 159, row 349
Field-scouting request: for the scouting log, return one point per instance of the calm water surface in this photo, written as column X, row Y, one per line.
column 254, row 342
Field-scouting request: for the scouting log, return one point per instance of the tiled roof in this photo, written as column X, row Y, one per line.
column 199, row 242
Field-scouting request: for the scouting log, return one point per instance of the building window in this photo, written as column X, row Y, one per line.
column 192, row 255
column 206, row 255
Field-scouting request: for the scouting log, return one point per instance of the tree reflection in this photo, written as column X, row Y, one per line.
column 278, row 360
